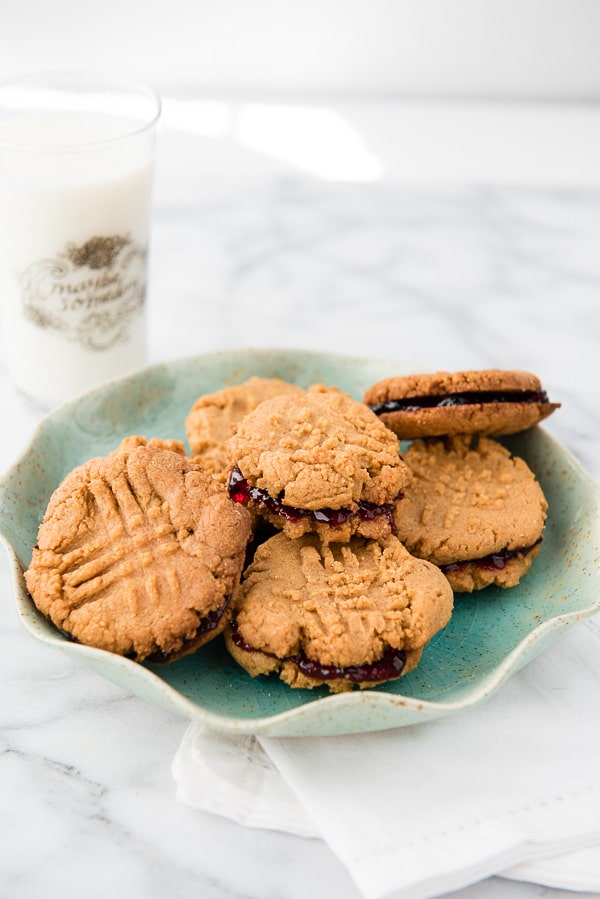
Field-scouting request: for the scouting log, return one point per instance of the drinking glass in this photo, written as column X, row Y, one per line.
column 76, row 169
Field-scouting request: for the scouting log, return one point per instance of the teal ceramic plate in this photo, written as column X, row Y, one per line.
column 490, row 636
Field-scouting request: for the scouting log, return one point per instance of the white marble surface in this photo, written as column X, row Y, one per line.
column 492, row 262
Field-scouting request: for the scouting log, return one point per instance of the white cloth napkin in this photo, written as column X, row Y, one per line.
column 511, row 787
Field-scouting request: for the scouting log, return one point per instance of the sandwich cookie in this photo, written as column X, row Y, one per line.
column 139, row 553
column 343, row 615
column 473, row 509
column 490, row 402
column 317, row 462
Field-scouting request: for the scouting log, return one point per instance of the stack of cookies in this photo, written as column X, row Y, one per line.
column 332, row 596
column 297, row 528
column 473, row 509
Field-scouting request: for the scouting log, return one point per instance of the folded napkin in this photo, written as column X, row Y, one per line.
column 511, row 787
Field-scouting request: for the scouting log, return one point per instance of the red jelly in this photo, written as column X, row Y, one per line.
column 467, row 398
column 493, row 562
column 389, row 666
column 241, row 492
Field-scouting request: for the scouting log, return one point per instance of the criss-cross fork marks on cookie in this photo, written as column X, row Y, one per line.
column 139, row 553
column 123, row 541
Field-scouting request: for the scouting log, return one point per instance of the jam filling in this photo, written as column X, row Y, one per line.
column 241, row 492
column 493, row 562
column 468, row 398
column 389, row 666
column 208, row 623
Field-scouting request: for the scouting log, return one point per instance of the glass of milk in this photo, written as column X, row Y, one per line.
column 76, row 164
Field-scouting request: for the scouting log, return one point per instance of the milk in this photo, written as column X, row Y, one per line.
column 74, row 212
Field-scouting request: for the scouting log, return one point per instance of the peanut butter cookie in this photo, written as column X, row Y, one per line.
column 490, row 402
column 473, row 509
column 336, row 614
column 317, row 462
column 139, row 553
column 213, row 417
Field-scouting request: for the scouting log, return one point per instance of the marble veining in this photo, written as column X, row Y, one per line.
column 453, row 276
